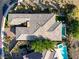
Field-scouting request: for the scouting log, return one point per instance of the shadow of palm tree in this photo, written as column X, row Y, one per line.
column 13, row 29
column 12, row 44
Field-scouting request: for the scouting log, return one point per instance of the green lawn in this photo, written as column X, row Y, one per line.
column 76, row 35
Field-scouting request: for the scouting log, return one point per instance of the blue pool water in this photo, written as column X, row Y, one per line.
column 60, row 46
column 63, row 51
column 63, row 31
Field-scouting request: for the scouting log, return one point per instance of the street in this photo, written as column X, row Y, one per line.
column 2, row 2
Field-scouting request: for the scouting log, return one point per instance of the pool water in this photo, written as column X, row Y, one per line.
column 63, row 50
column 60, row 46
column 63, row 31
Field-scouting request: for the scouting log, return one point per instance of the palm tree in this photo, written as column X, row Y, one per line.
column 39, row 45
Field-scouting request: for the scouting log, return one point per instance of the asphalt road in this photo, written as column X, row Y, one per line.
column 2, row 2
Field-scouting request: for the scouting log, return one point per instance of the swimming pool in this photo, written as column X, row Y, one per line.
column 63, row 31
column 63, row 50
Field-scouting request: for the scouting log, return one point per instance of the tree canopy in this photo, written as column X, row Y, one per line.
column 75, row 13
column 39, row 45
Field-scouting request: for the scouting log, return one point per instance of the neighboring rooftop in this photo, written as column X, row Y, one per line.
column 74, row 51
column 47, row 55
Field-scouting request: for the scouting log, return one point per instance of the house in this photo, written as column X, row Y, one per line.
column 45, row 55
column 74, row 51
column 35, row 55
column 29, row 1
column 28, row 26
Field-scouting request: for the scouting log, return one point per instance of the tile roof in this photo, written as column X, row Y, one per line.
column 35, row 55
column 36, row 20
column 53, row 26
column 40, row 24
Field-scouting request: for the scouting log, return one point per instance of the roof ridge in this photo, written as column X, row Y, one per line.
column 43, row 24
column 54, row 26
